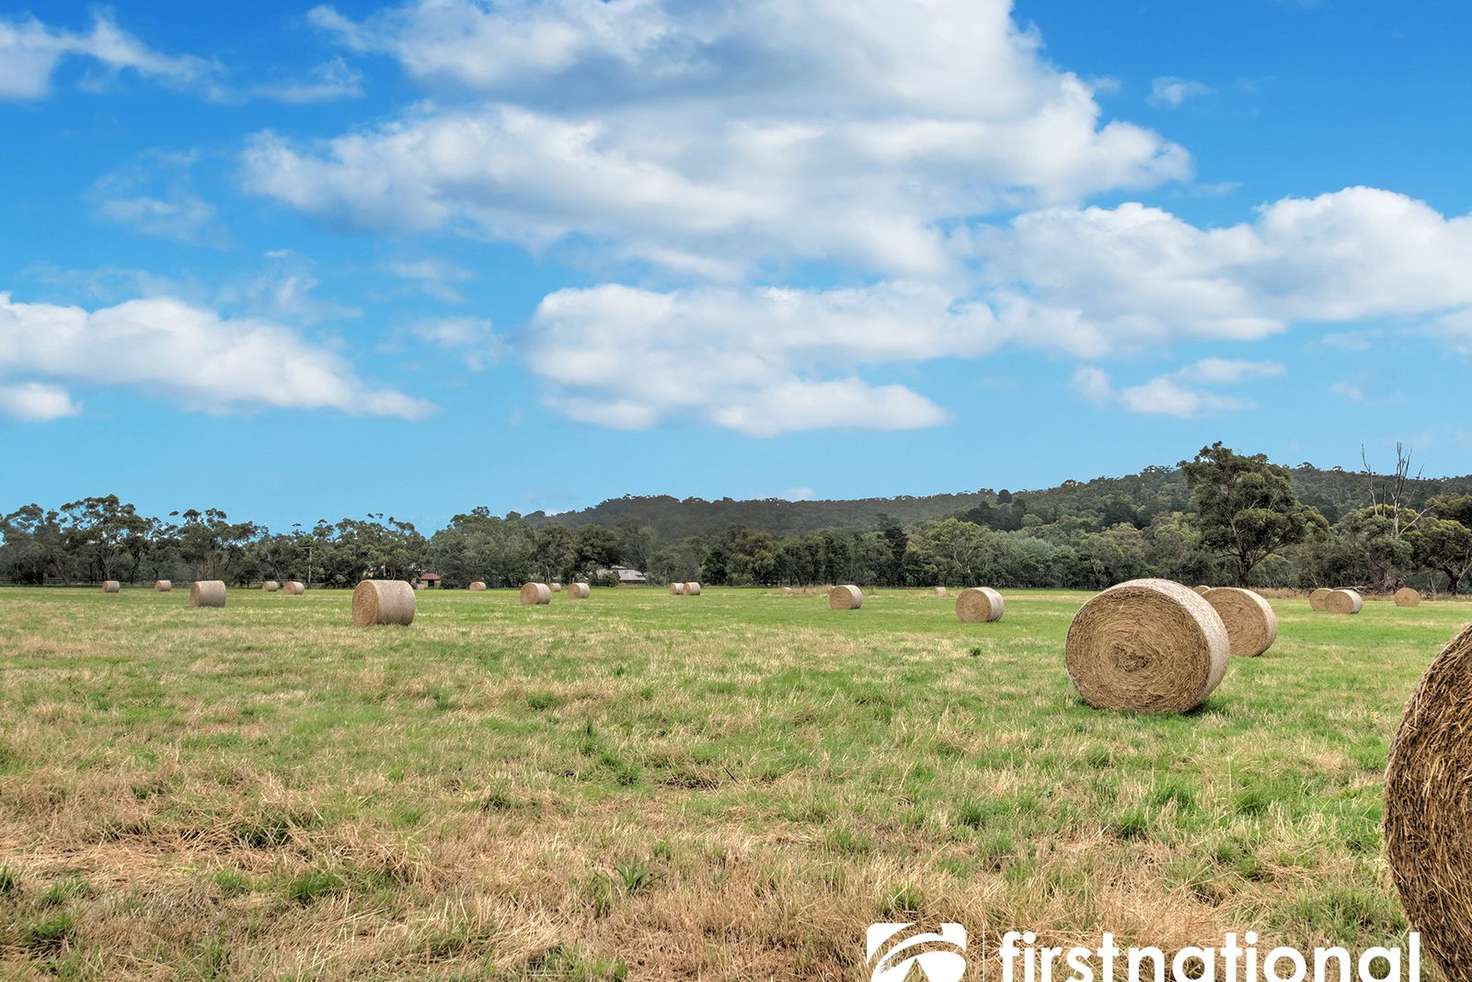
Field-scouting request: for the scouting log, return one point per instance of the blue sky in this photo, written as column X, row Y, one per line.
column 303, row 262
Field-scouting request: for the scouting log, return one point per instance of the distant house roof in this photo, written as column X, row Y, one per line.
column 429, row 576
column 625, row 574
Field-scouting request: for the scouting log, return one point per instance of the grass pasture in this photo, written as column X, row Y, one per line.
column 645, row 786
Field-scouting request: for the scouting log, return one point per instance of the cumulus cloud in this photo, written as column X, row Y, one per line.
column 35, row 402
column 30, row 52
column 1183, row 393
column 1169, row 92
column 190, row 355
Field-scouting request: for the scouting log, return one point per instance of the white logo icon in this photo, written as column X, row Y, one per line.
column 939, row 957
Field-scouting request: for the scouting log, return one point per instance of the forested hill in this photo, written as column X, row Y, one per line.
column 1103, row 501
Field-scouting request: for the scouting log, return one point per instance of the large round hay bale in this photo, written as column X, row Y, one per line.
column 1251, row 624
column 1317, row 598
column 940, row 591
column 293, row 588
column 1407, row 597
column 1149, row 646
column 163, row 586
column 1203, row 589
column 692, row 589
column 207, row 593
column 1428, row 809
column 535, row 593
column 271, row 586
column 478, row 585
column 111, row 586
column 677, row 589
column 579, row 591
column 383, row 602
column 846, row 597
column 979, row 605
column 1343, row 602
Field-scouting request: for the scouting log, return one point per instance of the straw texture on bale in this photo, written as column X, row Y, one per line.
column 1251, row 624
column 847, row 597
column 1318, row 597
column 111, row 586
column 535, row 593
column 1147, row 645
column 692, row 589
column 478, row 585
column 1407, row 597
column 293, row 588
column 270, row 586
column 1343, row 602
column 207, row 593
column 940, row 591
column 383, row 602
column 579, row 591
column 677, row 589
column 1203, row 589
column 163, row 586
column 979, row 605
column 1428, row 809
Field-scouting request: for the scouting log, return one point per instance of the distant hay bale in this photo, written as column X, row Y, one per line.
column 1344, row 602
column 1319, row 597
column 207, row 593
column 533, row 594
column 417, row 585
column 556, row 587
column 383, row 602
column 579, row 591
column 1428, row 812
column 1407, row 597
column 1149, row 646
column 478, row 585
column 270, row 586
column 111, row 586
column 692, row 589
column 979, row 605
column 847, row 597
column 940, row 591
column 163, row 586
column 1203, row 589
column 787, row 591
column 293, row 588
column 677, row 589
column 1251, row 624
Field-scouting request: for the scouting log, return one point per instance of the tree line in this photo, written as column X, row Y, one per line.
column 1221, row 517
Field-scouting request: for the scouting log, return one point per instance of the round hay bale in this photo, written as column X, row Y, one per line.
column 207, row 593
column 692, row 589
column 556, row 587
column 1317, row 598
column 271, row 586
column 1203, row 589
column 677, row 589
column 787, row 591
column 1428, row 810
column 1343, row 602
column 979, row 605
column 293, row 588
column 1150, row 646
column 940, row 591
column 847, row 597
column 1407, row 597
column 383, row 602
column 163, row 586
column 579, row 591
column 478, row 586
column 533, row 594
column 1252, row 625
column 111, row 586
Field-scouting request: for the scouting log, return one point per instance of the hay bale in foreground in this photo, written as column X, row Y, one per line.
column 477, row 586
column 1317, row 598
column 1428, row 811
column 1252, row 625
column 940, row 591
column 1150, row 646
column 579, row 591
column 163, row 586
column 534, row 594
column 1407, row 597
column 207, row 593
column 111, row 586
column 271, row 586
column 692, row 589
column 677, row 589
column 979, row 605
column 383, row 602
column 846, row 597
column 1343, row 602
column 293, row 588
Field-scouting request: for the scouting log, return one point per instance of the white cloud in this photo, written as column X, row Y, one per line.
column 706, row 139
column 1351, row 392
column 184, row 218
column 34, row 402
column 190, row 355
column 1169, row 92
column 328, row 82
column 472, row 337
column 30, row 52
column 1227, row 371
column 435, row 277
column 1182, row 393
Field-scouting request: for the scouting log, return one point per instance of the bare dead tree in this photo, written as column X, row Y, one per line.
column 1396, row 491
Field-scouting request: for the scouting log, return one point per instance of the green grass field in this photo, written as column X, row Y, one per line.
column 644, row 786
